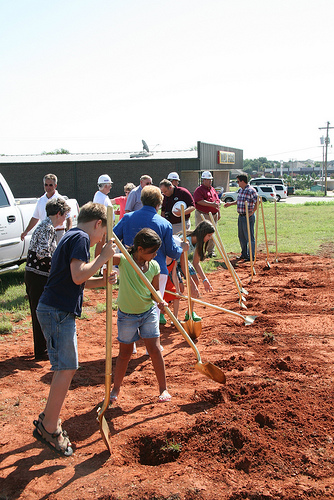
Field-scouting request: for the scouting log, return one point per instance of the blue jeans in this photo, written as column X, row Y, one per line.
column 243, row 235
column 60, row 334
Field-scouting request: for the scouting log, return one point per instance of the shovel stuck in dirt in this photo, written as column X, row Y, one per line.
column 219, row 244
column 193, row 328
column 265, row 233
column 208, row 369
column 104, row 428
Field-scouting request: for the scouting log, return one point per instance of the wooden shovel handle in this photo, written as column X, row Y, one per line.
column 108, row 365
column 184, row 233
column 206, row 304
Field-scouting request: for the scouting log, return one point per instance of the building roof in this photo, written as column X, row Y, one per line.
column 73, row 157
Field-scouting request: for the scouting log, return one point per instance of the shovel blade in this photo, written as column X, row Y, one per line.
column 105, row 432
column 249, row 320
column 211, row 371
column 193, row 328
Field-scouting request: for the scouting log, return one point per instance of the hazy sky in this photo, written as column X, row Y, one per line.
column 100, row 75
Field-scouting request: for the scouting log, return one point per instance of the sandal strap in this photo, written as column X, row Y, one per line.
column 52, row 438
column 41, row 417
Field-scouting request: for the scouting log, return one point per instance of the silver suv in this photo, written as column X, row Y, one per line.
column 267, row 193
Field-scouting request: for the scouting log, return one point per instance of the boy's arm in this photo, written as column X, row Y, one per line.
column 82, row 271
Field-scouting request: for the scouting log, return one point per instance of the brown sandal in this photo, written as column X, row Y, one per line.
column 51, row 439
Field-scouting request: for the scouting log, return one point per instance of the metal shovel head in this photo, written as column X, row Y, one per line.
column 249, row 320
column 193, row 328
column 105, row 431
column 211, row 371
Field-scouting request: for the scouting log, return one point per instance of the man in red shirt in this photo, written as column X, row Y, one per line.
column 173, row 194
column 207, row 200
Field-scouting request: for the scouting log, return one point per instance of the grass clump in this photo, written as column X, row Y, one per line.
column 6, row 326
column 101, row 307
column 171, row 446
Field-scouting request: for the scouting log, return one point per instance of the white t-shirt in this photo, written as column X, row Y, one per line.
column 103, row 199
column 40, row 212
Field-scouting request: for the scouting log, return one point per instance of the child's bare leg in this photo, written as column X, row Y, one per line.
column 176, row 304
column 59, row 386
column 153, row 348
column 123, row 358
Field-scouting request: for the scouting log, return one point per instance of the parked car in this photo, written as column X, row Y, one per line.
column 282, row 191
column 15, row 215
column 291, row 190
column 267, row 193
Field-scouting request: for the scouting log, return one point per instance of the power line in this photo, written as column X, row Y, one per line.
column 292, row 151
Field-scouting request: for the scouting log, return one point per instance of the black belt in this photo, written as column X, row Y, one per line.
column 242, row 215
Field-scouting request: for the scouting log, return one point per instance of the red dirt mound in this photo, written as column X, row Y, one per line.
column 267, row 434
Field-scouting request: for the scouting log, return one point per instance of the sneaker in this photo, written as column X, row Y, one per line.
column 162, row 319
column 194, row 316
column 211, row 254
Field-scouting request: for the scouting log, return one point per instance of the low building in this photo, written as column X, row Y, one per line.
column 78, row 173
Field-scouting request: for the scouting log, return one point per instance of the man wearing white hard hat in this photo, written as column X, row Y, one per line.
column 174, row 178
column 104, row 184
column 206, row 201
column 174, row 196
column 101, row 196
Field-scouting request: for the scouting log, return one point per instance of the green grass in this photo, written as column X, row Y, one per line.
column 14, row 305
column 308, row 192
column 300, row 228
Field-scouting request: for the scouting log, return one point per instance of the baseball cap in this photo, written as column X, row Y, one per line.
column 173, row 176
column 206, row 175
column 104, row 179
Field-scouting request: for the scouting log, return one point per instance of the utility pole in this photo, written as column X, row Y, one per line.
column 326, row 148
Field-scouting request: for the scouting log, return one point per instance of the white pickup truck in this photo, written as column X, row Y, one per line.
column 15, row 215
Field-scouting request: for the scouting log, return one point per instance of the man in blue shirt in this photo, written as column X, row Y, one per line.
column 133, row 202
column 147, row 216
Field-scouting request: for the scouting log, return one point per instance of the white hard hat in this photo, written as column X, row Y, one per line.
column 206, row 175
column 104, row 179
column 173, row 176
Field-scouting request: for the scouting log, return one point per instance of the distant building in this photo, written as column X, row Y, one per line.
column 78, row 173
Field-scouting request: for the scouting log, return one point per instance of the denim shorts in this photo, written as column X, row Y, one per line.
column 132, row 327
column 191, row 268
column 59, row 330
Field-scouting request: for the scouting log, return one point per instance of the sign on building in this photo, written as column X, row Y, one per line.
column 226, row 158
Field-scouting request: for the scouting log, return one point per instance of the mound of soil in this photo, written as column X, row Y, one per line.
column 267, row 434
